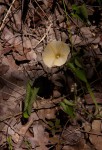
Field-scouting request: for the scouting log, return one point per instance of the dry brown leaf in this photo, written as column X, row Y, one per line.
column 2, row 138
column 6, row 92
column 87, row 126
column 9, row 60
column 31, row 143
column 40, row 137
column 17, row 41
column 1, row 48
column 94, row 40
column 68, row 148
column 26, row 43
column 8, row 36
column 80, row 146
column 75, row 39
column 17, row 17
column 19, row 76
column 96, row 140
column 4, row 111
column 31, row 55
column 8, row 103
column 86, row 32
column 46, row 103
column 19, row 57
column 47, row 113
column 5, row 50
column 18, row 136
column 56, row 94
column 3, row 69
column 2, row 9
column 21, row 50
column 71, row 137
column 96, row 126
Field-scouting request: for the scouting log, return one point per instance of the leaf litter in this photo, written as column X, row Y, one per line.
column 21, row 47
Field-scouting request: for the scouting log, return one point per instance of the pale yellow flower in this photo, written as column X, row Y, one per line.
column 55, row 53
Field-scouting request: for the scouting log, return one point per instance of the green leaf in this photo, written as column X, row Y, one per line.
column 67, row 102
column 33, row 98
column 74, row 15
column 77, row 63
column 57, row 123
column 9, row 141
column 78, row 72
column 25, row 114
column 51, row 123
column 28, row 96
column 81, row 75
column 71, row 66
column 68, row 109
column 31, row 94
column 75, row 8
column 81, row 12
column 63, row 105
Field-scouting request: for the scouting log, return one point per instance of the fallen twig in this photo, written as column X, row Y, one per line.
column 98, row 134
column 8, row 12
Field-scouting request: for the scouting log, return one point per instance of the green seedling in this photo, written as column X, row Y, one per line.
column 80, row 12
column 77, row 63
column 54, row 126
column 28, row 144
column 80, row 74
column 68, row 107
column 9, row 141
column 69, row 103
column 31, row 94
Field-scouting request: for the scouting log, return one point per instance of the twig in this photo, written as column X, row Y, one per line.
column 98, row 134
column 11, row 116
column 3, row 22
column 12, row 83
column 8, row 94
column 41, row 9
column 44, row 36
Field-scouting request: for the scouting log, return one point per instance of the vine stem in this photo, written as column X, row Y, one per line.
column 92, row 95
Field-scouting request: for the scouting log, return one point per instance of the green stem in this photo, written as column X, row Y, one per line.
column 66, row 14
column 92, row 95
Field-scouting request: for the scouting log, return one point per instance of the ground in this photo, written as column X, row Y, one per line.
column 64, row 115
